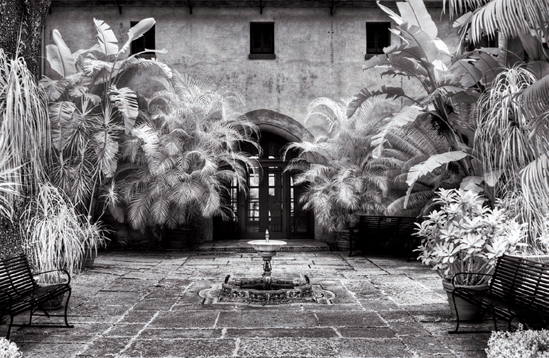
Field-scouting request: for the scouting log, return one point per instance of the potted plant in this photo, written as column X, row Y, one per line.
column 465, row 236
column 57, row 236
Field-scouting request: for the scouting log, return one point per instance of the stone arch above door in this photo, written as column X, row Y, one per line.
column 272, row 201
column 279, row 124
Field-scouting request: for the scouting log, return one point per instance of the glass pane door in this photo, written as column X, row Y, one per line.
column 265, row 202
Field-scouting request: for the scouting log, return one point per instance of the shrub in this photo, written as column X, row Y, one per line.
column 466, row 236
column 519, row 344
column 8, row 349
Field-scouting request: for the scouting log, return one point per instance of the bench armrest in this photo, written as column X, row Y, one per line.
column 63, row 270
column 467, row 273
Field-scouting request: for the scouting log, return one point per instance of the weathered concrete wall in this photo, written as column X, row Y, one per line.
column 317, row 54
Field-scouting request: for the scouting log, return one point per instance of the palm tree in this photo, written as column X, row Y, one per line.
column 183, row 154
column 339, row 185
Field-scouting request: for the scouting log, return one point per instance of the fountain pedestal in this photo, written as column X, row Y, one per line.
column 265, row 290
column 267, row 249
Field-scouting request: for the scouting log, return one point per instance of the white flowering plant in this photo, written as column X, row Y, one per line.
column 8, row 349
column 519, row 344
column 467, row 236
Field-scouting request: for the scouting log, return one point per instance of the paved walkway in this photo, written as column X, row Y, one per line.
column 147, row 305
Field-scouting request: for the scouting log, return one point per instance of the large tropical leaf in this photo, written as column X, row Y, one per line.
column 415, row 201
column 105, row 36
column 535, row 98
column 54, row 89
column 414, row 12
column 137, row 31
column 125, row 100
column 434, row 162
column 538, row 68
column 472, row 183
column 60, row 57
column 407, row 115
column 434, row 48
column 488, row 66
column 464, row 73
column 534, row 179
column 61, row 115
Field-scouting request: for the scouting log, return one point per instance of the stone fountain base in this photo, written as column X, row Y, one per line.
column 266, row 291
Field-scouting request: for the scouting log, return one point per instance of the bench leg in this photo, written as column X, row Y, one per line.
column 9, row 327
column 67, row 308
column 31, row 311
column 457, row 315
column 494, row 316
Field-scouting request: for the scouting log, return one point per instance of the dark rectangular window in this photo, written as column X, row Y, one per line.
column 378, row 36
column 147, row 41
column 262, row 40
column 485, row 41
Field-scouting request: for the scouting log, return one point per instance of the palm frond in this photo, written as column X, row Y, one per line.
column 125, row 100
column 512, row 18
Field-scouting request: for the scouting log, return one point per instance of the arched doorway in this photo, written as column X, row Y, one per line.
column 272, row 201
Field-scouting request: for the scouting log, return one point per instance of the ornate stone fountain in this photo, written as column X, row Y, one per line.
column 265, row 290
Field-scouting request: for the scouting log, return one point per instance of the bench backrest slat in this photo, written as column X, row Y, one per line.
column 523, row 282
column 15, row 277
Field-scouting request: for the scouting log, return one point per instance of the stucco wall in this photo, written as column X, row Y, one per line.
column 317, row 54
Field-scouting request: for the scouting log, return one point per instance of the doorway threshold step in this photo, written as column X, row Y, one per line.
column 243, row 246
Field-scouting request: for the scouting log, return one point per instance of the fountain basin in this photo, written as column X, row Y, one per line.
column 267, row 246
column 280, row 291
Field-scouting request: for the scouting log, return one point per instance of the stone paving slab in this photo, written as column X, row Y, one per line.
column 139, row 304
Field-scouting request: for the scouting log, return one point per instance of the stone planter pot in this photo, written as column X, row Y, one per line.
column 89, row 258
column 343, row 240
column 180, row 238
column 466, row 310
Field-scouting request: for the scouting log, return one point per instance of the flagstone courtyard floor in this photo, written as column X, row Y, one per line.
column 148, row 305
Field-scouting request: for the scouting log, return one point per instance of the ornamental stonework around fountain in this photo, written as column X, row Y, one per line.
column 265, row 290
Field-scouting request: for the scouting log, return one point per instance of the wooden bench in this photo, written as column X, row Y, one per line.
column 518, row 289
column 391, row 234
column 19, row 292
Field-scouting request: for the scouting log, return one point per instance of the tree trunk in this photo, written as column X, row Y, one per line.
column 25, row 19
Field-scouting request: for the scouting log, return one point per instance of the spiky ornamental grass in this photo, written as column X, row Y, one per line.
column 24, row 131
column 57, row 236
